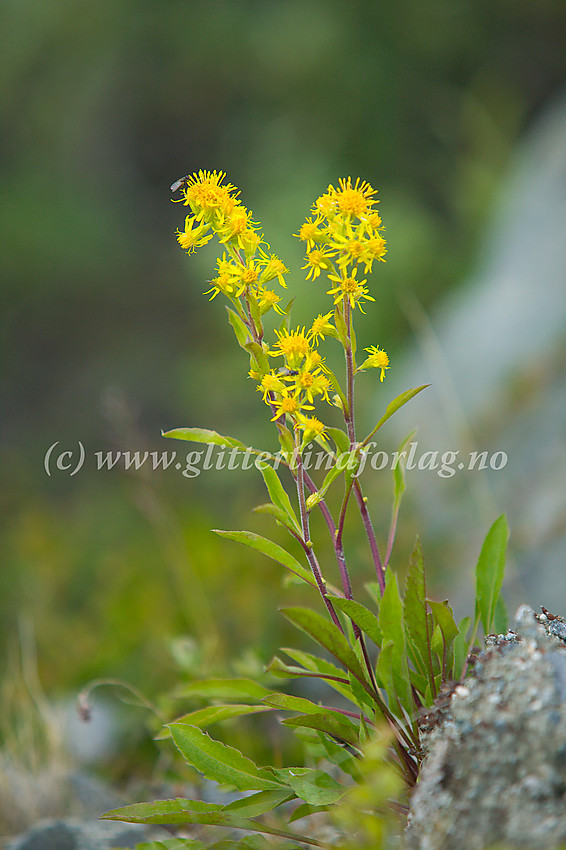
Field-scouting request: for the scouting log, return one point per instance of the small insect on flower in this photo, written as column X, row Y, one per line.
column 178, row 183
column 287, row 373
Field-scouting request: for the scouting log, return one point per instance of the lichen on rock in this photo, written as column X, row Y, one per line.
column 495, row 771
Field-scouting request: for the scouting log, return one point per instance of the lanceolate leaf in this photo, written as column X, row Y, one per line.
column 258, row 804
column 340, row 438
column 330, row 476
column 461, row 646
column 393, row 631
column 278, row 494
column 286, row 702
column 272, row 550
column 314, row 667
column 443, row 616
column 304, row 810
column 195, row 811
column 393, row 407
column 500, row 616
column 361, row 616
column 219, row 762
column 490, row 571
column 240, row 330
column 236, row 688
column 205, row 717
column 313, row 786
column 384, row 671
column 331, row 722
column 327, row 635
column 203, row 435
column 167, row 811
column 399, row 474
column 415, row 611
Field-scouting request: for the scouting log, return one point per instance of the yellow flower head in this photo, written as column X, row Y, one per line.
column 325, row 205
column 354, row 200
column 310, row 426
column 250, row 241
column 248, row 274
column 192, row 237
column 271, row 383
column 236, row 225
column 273, row 268
column 293, row 346
column 321, row 327
column 311, row 233
column 289, row 405
column 226, row 284
column 318, row 260
column 208, row 198
column 378, row 359
column 268, row 299
column 349, row 288
column 311, row 384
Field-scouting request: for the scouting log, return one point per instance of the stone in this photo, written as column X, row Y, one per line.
column 77, row 834
column 495, row 769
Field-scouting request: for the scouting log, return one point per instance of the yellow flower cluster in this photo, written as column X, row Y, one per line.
column 245, row 268
column 291, row 389
column 344, row 231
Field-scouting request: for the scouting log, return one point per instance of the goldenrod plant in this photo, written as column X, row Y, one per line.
column 391, row 657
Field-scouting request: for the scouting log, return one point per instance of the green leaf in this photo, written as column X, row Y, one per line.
column 279, row 495
column 360, row 697
column 338, row 390
column 272, row 550
column 331, row 722
column 313, row 786
column 204, row 717
column 490, row 571
column 444, row 618
column 165, row 811
column 286, row 702
column 393, row 407
column 203, row 435
column 415, row 611
column 399, row 474
column 304, row 810
column 393, row 631
column 384, row 672
column 338, row 754
column 235, row 688
column 218, row 761
column 286, row 442
column 342, row 328
column 277, row 514
column 330, row 476
column 239, row 327
column 194, row 811
column 327, row 635
column 361, row 616
column 340, row 438
column 258, row 804
column 500, row 617
column 314, row 668
column 461, row 646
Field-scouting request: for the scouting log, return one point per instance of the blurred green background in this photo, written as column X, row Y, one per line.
column 108, row 338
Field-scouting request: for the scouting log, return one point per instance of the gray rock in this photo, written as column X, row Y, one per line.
column 75, row 834
column 496, row 764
